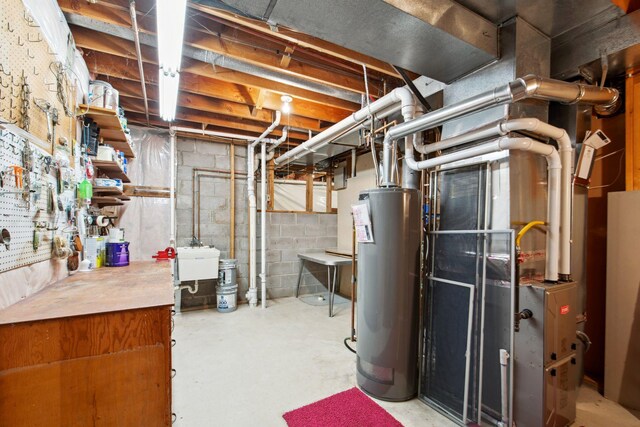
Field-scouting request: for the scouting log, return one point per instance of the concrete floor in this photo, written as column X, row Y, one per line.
column 249, row 367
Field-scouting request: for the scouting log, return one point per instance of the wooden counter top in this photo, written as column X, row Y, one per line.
column 107, row 289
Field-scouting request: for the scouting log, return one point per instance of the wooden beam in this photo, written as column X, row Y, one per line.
column 632, row 133
column 263, row 56
column 134, row 105
column 212, row 105
column 286, row 56
column 120, row 68
column 259, row 102
column 309, row 189
column 271, row 175
column 91, row 41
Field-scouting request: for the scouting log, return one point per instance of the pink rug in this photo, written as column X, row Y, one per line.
column 351, row 408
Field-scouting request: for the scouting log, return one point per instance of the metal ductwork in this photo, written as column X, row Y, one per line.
column 406, row 33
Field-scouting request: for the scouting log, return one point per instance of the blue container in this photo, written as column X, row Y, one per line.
column 117, row 254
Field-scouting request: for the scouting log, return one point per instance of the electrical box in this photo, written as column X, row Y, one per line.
column 197, row 263
column 545, row 369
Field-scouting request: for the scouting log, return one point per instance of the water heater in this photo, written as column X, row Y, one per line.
column 388, row 295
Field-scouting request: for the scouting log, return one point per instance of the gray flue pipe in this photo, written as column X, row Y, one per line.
column 530, row 86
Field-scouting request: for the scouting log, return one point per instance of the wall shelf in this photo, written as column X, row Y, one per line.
column 111, row 169
column 102, row 201
column 110, row 127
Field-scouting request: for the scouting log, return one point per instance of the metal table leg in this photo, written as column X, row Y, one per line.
column 299, row 277
column 332, row 289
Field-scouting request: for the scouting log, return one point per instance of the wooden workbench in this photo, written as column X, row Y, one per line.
column 93, row 349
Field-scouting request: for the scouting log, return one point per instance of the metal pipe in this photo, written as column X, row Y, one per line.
column 136, row 37
column 606, row 99
column 525, row 144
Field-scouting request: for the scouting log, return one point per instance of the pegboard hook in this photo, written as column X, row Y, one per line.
column 37, row 39
column 9, row 27
column 6, row 86
column 4, row 72
column 29, row 20
column 29, row 54
column 20, row 42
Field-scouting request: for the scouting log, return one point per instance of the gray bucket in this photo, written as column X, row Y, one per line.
column 227, row 272
column 226, row 297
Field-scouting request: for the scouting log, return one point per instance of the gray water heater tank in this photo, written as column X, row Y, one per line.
column 388, row 295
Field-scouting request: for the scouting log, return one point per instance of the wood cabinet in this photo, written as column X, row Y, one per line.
column 93, row 350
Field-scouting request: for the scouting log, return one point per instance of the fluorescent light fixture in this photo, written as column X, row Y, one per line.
column 170, row 20
column 169, row 84
column 286, row 103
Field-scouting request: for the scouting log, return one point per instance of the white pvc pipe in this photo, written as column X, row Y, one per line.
column 383, row 105
column 263, row 224
column 566, row 158
column 565, row 149
column 252, row 293
column 525, row 144
column 172, row 188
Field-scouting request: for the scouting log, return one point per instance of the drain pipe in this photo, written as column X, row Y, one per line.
column 525, row 144
column 379, row 108
column 540, row 128
column 252, row 294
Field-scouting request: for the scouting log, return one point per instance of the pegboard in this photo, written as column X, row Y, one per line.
column 22, row 217
column 25, row 56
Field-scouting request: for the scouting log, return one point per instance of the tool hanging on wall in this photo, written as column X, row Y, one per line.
column 52, row 119
column 25, row 104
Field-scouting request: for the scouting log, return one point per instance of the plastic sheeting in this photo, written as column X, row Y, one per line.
column 55, row 30
column 147, row 220
column 290, row 195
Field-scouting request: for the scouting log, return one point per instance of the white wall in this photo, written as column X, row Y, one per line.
column 365, row 179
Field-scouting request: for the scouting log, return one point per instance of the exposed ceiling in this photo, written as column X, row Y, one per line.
column 241, row 56
column 234, row 70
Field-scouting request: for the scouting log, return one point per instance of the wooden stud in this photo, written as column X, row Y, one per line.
column 286, row 57
column 309, row 192
column 329, row 181
column 629, row 131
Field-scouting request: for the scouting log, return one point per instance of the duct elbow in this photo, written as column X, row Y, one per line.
column 612, row 107
column 407, row 102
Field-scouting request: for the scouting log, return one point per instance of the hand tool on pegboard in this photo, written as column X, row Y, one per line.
column 25, row 104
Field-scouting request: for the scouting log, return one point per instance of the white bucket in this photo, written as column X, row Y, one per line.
column 226, row 297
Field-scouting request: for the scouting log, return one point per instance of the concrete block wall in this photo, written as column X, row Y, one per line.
column 287, row 235
column 215, row 208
